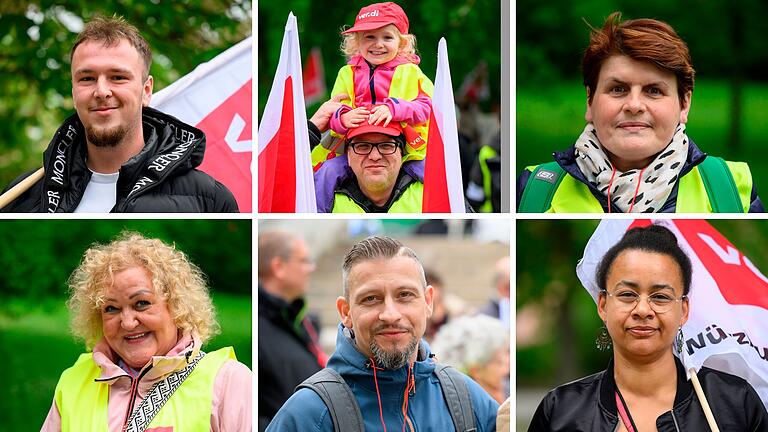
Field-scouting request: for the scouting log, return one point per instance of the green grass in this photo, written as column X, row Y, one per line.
column 551, row 119
column 36, row 347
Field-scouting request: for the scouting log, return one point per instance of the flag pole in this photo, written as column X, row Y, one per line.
column 21, row 187
column 703, row 400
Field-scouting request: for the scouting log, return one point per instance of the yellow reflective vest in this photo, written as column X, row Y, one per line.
column 83, row 402
column 409, row 202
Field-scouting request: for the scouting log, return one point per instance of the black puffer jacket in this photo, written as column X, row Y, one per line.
column 162, row 178
column 589, row 405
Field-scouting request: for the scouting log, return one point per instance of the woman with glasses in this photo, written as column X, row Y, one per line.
column 644, row 281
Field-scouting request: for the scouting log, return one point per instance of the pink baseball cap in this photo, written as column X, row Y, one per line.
column 379, row 15
column 392, row 129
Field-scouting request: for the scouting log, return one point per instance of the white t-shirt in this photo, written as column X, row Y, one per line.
column 100, row 195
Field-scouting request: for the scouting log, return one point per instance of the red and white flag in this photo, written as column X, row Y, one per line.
column 285, row 169
column 216, row 98
column 475, row 87
column 727, row 326
column 443, row 187
column 314, row 77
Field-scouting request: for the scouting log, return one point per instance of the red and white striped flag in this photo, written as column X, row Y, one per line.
column 443, row 187
column 314, row 77
column 727, row 326
column 216, row 98
column 285, row 169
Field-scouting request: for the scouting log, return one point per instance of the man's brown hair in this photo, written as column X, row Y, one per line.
column 641, row 39
column 109, row 31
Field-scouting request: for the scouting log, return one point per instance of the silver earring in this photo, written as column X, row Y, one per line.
column 679, row 341
column 603, row 341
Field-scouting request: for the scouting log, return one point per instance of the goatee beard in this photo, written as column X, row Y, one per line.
column 394, row 359
column 101, row 137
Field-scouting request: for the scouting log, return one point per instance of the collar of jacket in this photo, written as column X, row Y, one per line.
column 356, row 369
column 186, row 348
column 567, row 160
column 360, row 61
column 170, row 146
column 608, row 388
column 279, row 310
column 351, row 188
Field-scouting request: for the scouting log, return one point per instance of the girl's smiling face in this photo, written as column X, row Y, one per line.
column 381, row 45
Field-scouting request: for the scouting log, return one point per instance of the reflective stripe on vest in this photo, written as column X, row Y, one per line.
column 83, row 403
column 407, row 80
column 409, row 201
column 573, row 196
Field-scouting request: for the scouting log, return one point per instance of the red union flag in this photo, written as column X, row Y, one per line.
column 443, row 187
column 727, row 327
column 314, row 77
column 285, row 170
column 216, row 98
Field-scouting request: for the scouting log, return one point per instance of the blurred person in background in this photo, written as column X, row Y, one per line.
column 478, row 346
column 499, row 307
column 144, row 311
column 440, row 314
column 289, row 351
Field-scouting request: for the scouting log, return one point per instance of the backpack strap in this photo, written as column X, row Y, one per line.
column 457, row 397
column 720, row 186
column 338, row 398
column 541, row 187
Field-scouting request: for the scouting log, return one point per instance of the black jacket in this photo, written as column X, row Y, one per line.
column 567, row 160
column 589, row 405
column 162, row 178
column 284, row 356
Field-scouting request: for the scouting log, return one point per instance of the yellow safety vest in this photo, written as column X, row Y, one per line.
column 406, row 82
column 573, row 196
column 83, row 403
column 409, row 202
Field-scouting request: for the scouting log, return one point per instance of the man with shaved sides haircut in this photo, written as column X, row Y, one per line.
column 383, row 375
column 115, row 154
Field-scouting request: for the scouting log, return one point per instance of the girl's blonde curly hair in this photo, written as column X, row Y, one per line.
column 175, row 279
column 350, row 45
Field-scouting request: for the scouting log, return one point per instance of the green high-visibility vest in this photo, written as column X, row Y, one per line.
column 409, row 202
column 714, row 186
column 83, row 403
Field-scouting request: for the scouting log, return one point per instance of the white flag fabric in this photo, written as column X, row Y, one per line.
column 443, row 186
column 216, row 97
column 727, row 327
column 286, row 184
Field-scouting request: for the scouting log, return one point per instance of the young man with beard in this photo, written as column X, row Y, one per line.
column 380, row 356
column 116, row 154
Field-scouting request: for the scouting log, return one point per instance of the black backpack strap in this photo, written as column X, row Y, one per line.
column 338, row 398
column 541, row 187
column 457, row 397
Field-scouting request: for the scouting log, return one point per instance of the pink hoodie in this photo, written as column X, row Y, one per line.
column 232, row 394
column 372, row 88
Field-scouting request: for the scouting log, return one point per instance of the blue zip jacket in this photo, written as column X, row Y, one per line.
column 427, row 411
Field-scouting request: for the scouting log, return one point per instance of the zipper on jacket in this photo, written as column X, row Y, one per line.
column 134, row 393
column 372, row 69
column 672, row 411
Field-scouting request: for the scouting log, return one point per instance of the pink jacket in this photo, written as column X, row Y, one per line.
column 371, row 87
column 232, row 393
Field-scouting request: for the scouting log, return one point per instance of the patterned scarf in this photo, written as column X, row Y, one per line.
column 633, row 191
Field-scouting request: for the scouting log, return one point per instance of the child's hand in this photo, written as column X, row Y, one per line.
column 380, row 113
column 354, row 117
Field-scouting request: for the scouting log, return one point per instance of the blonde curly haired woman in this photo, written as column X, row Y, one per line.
column 144, row 311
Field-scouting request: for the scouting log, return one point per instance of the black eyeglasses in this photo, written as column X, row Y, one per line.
column 365, row 148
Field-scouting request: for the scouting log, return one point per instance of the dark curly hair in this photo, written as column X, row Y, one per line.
column 653, row 238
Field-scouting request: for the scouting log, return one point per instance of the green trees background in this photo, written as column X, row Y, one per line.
column 730, row 98
column 38, row 256
column 472, row 29
column 35, row 41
